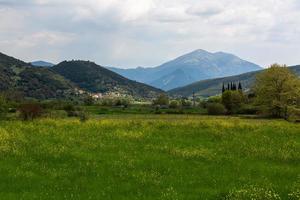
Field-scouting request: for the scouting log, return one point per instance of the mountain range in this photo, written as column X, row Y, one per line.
column 41, row 63
column 189, row 68
column 65, row 79
column 212, row 87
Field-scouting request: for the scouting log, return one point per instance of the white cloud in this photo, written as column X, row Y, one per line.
column 148, row 32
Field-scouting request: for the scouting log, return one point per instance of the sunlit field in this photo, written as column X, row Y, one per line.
column 150, row 157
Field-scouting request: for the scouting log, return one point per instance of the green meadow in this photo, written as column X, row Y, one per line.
column 150, row 157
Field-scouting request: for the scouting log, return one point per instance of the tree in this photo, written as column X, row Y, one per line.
column 223, row 88
column 232, row 100
column 277, row 89
column 3, row 106
column 162, row 100
column 240, row 86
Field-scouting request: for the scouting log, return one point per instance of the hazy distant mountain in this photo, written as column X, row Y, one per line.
column 94, row 78
column 191, row 67
column 41, row 63
column 213, row 87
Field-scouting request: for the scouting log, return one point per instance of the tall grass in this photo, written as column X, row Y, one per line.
column 150, row 157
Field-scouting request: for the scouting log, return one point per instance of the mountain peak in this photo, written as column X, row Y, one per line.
column 194, row 66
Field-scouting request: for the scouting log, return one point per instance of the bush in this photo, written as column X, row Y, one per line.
column 216, row 109
column 89, row 100
column 83, row 116
column 293, row 114
column 162, row 100
column 3, row 106
column 174, row 104
column 30, row 111
column 247, row 109
column 186, row 103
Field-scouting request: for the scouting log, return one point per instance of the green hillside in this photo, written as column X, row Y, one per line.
column 94, row 78
column 33, row 82
column 213, row 87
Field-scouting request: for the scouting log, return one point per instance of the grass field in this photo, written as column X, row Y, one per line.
column 150, row 157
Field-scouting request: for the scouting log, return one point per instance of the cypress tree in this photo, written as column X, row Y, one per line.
column 240, row 86
column 223, row 88
column 228, row 88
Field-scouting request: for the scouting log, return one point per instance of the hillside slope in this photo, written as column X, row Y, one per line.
column 194, row 66
column 97, row 79
column 213, row 87
column 33, row 82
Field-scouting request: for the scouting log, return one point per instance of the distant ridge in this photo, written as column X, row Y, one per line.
column 194, row 66
column 213, row 87
column 41, row 63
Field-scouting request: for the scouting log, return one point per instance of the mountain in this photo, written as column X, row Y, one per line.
column 191, row 67
column 34, row 82
column 213, row 87
column 92, row 77
column 41, row 63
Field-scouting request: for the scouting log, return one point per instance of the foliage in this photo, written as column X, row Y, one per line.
column 117, row 101
column 83, row 116
column 216, row 109
column 186, row 103
column 88, row 100
column 232, row 100
column 276, row 89
column 174, row 104
column 3, row 106
column 30, row 111
column 161, row 100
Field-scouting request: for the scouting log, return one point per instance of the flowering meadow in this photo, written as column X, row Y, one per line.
column 150, row 157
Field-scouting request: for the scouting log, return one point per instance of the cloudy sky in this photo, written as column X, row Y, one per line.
column 130, row 33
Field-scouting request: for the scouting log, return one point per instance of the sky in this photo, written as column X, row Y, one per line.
column 131, row 33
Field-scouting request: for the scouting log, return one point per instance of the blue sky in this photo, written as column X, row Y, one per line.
column 130, row 33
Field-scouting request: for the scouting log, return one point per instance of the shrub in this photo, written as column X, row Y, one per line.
column 293, row 114
column 107, row 102
column 125, row 102
column 174, row 104
column 3, row 106
column 215, row 99
column 247, row 109
column 83, row 116
column 30, row 111
column 162, row 100
column 88, row 100
column 186, row 103
column 216, row 109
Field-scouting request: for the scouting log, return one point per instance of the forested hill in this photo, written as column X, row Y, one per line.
column 97, row 79
column 17, row 76
column 213, row 87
